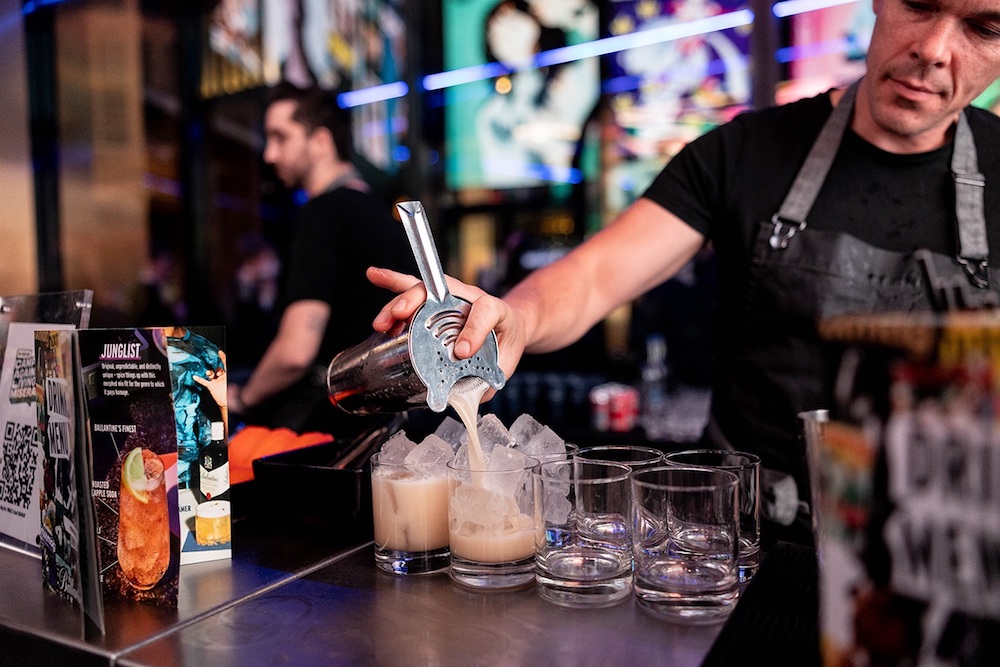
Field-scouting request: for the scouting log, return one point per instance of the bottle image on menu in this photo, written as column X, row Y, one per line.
column 212, row 517
column 144, row 525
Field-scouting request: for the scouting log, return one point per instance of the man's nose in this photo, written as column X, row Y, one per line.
column 934, row 45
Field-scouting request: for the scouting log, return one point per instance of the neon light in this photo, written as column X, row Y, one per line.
column 32, row 6
column 790, row 53
column 387, row 91
column 599, row 47
column 792, row 7
column 462, row 75
column 534, row 170
column 666, row 33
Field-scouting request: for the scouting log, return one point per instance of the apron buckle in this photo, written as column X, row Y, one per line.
column 783, row 232
column 949, row 291
column 977, row 271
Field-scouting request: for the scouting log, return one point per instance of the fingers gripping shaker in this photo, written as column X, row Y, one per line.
column 394, row 373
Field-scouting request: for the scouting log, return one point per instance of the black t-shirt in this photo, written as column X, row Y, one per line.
column 340, row 234
column 728, row 181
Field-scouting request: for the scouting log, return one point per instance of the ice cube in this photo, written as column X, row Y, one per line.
column 507, row 458
column 477, row 509
column 508, row 477
column 492, row 433
column 557, row 508
column 395, row 449
column 462, row 457
column 431, row 451
column 545, row 446
column 524, row 428
column 452, row 431
column 555, row 492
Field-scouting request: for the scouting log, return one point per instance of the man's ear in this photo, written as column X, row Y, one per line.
column 322, row 140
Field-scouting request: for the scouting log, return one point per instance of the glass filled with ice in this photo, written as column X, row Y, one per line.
column 410, row 505
column 491, row 509
column 143, row 521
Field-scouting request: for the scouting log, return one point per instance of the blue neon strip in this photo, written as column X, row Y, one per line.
column 462, row 75
column 387, row 91
column 790, row 53
column 32, row 6
column 667, row 33
column 595, row 48
column 792, row 7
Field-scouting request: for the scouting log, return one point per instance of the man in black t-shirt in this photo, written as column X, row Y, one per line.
column 889, row 192
column 328, row 304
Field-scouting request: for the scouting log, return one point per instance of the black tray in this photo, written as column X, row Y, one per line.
column 325, row 486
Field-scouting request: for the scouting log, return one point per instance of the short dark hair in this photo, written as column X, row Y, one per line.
column 317, row 108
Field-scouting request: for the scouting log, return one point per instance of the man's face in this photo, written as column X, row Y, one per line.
column 287, row 147
column 928, row 59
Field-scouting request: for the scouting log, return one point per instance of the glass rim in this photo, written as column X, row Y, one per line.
column 626, row 471
column 376, row 459
column 583, row 451
column 750, row 459
column 724, row 478
column 531, row 465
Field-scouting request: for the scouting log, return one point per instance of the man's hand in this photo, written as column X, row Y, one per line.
column 215, row 382
column 488, row 313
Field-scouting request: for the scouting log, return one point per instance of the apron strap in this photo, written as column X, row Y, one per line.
column 970, row 187
column 791, row 217
column 973, row 250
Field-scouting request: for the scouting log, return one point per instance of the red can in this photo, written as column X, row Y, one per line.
column 600, row 407
column 624, row 408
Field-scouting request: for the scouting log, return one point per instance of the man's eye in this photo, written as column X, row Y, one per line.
column 990, row 32
column 917, row 6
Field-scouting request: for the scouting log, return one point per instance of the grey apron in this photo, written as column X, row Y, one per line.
column 800, row 274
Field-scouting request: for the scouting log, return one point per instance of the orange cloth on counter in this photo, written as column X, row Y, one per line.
column 254, row 442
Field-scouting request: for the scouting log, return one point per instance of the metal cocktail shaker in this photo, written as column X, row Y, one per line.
column 416, row 367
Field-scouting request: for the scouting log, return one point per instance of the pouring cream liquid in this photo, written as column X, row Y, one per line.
column 507, row 534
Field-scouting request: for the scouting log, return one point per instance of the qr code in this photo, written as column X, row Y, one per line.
column 18, row 465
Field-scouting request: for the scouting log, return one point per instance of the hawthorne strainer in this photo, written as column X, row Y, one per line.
column 392, row 373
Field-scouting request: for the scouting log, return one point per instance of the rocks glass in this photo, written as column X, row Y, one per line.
column 583, row 556
column 491, row 522
column 685, row 538
column 410, row 516
column 746, row 467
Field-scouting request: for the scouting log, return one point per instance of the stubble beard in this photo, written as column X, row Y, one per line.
column 906, row 118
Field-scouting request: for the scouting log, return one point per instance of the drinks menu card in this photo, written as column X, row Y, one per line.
column 67, row 536
column 908, row 520
column 20, row 455
column 152, row 396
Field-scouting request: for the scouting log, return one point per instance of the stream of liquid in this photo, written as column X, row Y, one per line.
column 464, row 398
column 505, row 538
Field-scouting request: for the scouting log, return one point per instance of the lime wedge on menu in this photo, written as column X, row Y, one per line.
column 134, row 475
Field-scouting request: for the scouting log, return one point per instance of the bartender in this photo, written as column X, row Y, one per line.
column 896, row 163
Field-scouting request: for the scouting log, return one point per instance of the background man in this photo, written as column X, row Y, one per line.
column 342, row 229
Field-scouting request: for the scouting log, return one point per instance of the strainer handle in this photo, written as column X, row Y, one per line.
column 418, row 231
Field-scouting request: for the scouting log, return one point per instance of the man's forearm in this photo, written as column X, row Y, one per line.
column 269, row 378
column 290, row 355
column 643, row 247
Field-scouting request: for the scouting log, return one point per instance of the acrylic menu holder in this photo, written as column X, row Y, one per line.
column 45, row 463
column 71, row 309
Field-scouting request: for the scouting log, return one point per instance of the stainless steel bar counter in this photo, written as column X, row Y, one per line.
column 288, row 599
